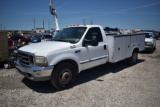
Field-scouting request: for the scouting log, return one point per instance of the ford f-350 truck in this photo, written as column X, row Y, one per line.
column 74, row 49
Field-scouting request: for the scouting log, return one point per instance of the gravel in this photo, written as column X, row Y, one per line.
column 109, row 85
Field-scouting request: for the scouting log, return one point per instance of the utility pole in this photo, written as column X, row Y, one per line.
column 43, row 24
column 34, row 23
column 48, row 26
column 1, row 26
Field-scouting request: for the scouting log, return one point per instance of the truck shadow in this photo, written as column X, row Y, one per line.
column 148, row 52
column 40, row 87
column 83, row 77
column 95, row 73
column 1, row 65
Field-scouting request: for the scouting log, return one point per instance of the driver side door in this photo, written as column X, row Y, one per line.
column 93, row 55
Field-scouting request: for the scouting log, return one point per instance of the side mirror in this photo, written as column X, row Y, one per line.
column 92, row 42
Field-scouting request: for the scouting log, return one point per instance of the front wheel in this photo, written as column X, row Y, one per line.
column 63, row 76
column 133, row 58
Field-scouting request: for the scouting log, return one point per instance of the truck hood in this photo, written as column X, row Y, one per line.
column 43, row 48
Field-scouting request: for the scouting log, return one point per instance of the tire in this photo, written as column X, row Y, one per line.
column 155, row 46
column 133, row 59
column 63, row 76
column 152, row 49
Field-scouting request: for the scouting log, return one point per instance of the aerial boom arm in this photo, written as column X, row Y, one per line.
column 53, row 12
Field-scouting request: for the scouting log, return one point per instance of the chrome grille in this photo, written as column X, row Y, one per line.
column 25, row 59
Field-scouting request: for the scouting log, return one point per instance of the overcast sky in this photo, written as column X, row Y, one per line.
column 124, row 14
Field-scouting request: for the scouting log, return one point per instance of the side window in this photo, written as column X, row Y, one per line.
column 94, row 32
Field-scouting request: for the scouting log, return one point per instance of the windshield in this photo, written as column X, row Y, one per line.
column 30, row 37
column 72, row 34
column 148, row 35
column 38, row 36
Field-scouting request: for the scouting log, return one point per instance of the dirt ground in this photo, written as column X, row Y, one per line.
column 109, row 85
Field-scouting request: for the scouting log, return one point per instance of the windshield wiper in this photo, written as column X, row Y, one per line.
column 61, row 40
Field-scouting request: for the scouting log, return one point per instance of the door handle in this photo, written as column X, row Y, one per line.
column 77, row 51
column 104, row 47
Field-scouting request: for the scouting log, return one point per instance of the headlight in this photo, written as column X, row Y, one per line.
column 149, row 43
column 40, row 61
column 35, row 40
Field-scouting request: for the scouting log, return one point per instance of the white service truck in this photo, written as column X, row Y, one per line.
column 74, row 49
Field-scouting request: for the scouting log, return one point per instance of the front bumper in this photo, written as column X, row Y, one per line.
column 35, row 73
column 150, row 47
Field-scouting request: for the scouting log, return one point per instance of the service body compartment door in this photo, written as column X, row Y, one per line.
column 120, row 48
column 128, row 47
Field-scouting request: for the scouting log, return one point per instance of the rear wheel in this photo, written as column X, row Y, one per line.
column 155, row 46
column 63, row 76
column 151, row 50
column 133, row 58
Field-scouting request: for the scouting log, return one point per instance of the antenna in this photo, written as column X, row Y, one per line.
column 34, row 23
column 84, row 22
column 91, row 22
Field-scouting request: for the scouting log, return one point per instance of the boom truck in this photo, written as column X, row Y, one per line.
column 74, row 49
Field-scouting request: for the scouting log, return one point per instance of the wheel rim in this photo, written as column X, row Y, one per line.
column 134, row 57
column 65, row 76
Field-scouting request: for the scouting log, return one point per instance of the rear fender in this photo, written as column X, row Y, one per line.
column 136, row 48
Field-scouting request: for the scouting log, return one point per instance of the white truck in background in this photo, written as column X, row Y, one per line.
column 74, row 49
column 150, row 40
